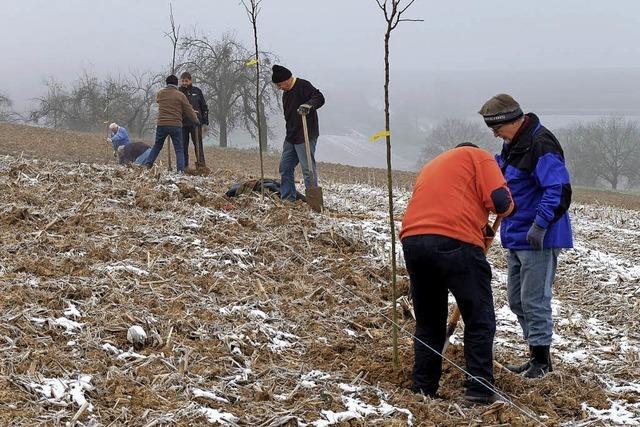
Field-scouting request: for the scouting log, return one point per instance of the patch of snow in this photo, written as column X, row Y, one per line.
column 122, row 355
column 349, row 332
column 258, row 314
column 72, row 311
column 209, row 395
column 348, row 388
column 574, row 357
column 357, row 409
column 69, row 325
column 316, row 375
column 63, row 391
column 128, row 268
column 616, row 414
column 279, row 340
column 131, row 355
column 111, row 349
column 215, row 416
column 192, row 224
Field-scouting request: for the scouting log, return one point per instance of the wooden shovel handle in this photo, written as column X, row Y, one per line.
column 307, row 147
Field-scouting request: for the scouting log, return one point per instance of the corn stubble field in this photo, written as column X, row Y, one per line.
column 249, row 305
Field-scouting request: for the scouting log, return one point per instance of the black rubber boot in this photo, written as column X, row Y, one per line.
column 540, row 363
column 518, row 369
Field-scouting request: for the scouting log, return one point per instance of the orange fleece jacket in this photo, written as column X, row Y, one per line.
column 452, row 196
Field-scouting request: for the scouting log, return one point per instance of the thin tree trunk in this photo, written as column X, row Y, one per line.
column 394, row 291
column 254, row 19
column 263, row 126
column 223, row 133
column 174, row 36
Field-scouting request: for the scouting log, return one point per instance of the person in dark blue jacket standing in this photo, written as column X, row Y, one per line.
column 533, row 165
column 189, row 128
column 299, row 98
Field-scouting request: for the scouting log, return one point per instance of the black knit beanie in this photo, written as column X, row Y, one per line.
column 172, row 80
column 500, row 109
column 280, row 74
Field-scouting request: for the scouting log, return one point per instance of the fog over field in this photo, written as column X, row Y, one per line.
column 567, row 61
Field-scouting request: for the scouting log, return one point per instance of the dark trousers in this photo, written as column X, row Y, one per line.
column 437, row 264
column 195, row 132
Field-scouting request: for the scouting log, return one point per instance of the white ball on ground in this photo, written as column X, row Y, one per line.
column 137, row 336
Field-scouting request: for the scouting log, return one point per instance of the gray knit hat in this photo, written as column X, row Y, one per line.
column 500, row 109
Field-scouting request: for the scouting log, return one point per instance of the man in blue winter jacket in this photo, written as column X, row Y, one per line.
column 119, row 136
column 533, row 165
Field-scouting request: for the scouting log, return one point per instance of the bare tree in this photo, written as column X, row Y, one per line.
column 220, row 67
column 451, row 132
column 143, row 87
column 615, row 145
column 131, row 101
column 51, row 106
column 253, row 10
column 393, row 11
column 80, row 108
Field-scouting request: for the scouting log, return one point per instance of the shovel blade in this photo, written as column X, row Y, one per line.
column 314, row 198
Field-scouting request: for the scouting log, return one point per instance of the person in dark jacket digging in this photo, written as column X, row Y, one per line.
column 189, row 128
column 299, row 98
column 444, row 242
column 532, row 162
column 172, row 106
column 136, row 152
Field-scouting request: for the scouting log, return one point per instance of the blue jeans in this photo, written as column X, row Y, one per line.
column 142, row 158
column 531, row 275
column 292, row 154
column 175, row 132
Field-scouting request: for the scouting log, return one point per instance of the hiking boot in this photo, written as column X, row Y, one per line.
column 540, row 363
column 480, row 398
column 518, row 369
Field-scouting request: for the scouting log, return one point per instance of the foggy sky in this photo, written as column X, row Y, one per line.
column 325, row 40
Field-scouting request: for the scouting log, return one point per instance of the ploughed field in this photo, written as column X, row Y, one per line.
column 259, row 313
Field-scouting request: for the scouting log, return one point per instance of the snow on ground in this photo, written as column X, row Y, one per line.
column 217, row 340
column 584, row 335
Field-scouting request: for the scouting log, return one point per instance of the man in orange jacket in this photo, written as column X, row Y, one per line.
column 443, row 242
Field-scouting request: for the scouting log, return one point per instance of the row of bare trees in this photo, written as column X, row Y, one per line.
column 603, row 152
column 89, row 102
column 219, row 68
